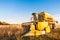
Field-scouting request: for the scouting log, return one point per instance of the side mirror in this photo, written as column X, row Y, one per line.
column 56, row 21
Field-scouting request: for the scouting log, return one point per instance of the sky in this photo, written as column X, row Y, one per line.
column 19, row 11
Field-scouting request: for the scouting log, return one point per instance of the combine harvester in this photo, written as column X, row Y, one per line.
column 42, row 23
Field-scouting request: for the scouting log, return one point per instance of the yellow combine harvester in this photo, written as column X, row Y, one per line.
column 41, row 23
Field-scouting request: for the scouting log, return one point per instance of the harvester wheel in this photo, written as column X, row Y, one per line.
column 53, row 26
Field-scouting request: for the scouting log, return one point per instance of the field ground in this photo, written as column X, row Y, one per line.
column 13, row 32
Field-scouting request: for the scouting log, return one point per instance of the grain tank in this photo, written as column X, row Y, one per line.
column 44, row 16
column 48, row 18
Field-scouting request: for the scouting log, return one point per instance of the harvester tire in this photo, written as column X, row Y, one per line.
column 53, row 26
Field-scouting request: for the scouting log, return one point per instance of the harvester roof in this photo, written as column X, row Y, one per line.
column 46, row 14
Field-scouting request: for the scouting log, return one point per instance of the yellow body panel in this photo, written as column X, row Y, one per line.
column 48, row 29
column 32, row 27
column 42, row 25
